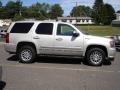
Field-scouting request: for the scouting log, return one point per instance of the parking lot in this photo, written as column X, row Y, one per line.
column 49, row 73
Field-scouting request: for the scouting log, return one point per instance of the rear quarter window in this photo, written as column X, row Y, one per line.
column 21, row 27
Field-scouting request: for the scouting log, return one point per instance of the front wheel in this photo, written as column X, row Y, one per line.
column 95, row 56
column 26, row 54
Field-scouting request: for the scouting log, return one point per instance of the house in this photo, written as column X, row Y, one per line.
column 118, row 16
column 116, row 22
column 1, row 23
column 5, row 22
column 76, row 20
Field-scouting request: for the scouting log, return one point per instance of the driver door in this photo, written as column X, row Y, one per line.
column 65, row 43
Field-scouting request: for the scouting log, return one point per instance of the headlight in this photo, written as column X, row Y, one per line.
column 112, row 44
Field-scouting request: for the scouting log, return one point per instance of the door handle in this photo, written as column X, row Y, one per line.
column 59, row 39
column 36, row 37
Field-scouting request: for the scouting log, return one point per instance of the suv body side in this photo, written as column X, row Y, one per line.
column 58, row 39
column 47, row 44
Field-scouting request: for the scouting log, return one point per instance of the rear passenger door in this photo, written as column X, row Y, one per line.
column 44, row 37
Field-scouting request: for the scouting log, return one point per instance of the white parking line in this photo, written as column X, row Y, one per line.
column 57, row 68
column 119, row 71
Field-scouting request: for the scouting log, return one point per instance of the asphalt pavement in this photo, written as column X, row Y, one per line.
column 50, row 73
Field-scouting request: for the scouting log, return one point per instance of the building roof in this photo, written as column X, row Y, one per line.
column 60, row 18
column 117, row 13
column 38, row 21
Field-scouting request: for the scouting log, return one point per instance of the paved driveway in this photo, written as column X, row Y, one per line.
column 58, row 74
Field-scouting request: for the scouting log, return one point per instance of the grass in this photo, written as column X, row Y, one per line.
column 100, row 30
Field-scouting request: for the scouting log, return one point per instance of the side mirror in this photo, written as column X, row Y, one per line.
column 75, row 34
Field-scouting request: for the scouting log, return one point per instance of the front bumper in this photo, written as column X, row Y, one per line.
column 110, row 59
column 117, row 47
column 111, row 54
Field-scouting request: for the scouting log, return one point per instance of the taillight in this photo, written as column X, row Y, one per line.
column 7, row 38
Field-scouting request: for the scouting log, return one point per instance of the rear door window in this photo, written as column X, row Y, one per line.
column 21, row 27
column 45, row 28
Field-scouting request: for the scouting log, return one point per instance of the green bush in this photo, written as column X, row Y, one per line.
column 18, row 18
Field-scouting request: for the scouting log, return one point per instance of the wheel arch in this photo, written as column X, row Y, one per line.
column 23, row 43
column 97, row 46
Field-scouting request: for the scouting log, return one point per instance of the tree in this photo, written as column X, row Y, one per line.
column 0, row 4
column 17, row 17
column 2, row 11
column 56, row 11
column 44, row 11
column 18, row 7
column 37, row 11
column 11, row 9
column 108, row 14
column 81, row 11
column 14, row 10
column 103, row 13
column 97, row 11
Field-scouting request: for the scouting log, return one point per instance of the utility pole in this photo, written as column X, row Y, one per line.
column 76, row 3
column 20, row 4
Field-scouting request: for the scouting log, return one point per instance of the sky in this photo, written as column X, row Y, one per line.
column 67, row 5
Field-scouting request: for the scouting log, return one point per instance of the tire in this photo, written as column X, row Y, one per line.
column 26, row 54
column 95, row 56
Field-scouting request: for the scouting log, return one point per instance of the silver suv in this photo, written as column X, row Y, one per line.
column 28, row 39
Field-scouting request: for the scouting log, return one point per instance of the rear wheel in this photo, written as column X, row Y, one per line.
column 26, row 54
column 95, row 56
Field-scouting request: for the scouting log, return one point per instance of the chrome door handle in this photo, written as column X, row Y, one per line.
column 36, row 37
column 59, row 39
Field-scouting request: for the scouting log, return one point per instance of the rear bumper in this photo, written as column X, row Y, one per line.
column 10, row 48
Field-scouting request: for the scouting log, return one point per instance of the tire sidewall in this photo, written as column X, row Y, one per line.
column 33, row 53
column 89, row 52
